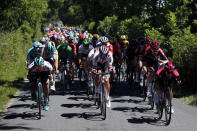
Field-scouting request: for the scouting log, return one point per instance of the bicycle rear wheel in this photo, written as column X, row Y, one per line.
column 159, row 110
column 168, row 106
column 63, row 83
column 144, row 90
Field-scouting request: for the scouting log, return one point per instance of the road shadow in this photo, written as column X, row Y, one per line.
column 22, row 98
column 25, row 115
column 93, row 116
column 131, row 109
column 20, row 106
column 72, row 115
column 19, row 127
column 147, row 119
column 81, row 105
column 75, row 89
column 79, row 98
column 127, row 101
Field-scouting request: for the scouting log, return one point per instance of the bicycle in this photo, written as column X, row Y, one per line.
column 64, row 77
column 40, row 97
column 101, row 101
column 144, row 89
column 83, row 78
column 165, row 103
column 117, row 75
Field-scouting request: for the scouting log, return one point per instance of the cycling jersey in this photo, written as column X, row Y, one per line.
column 65, row 52
column 48, row 55
column 91, row 54
column 140, row 49
column 116, row 48
column 108, row 45
column 161, row 72
column 83, row 50
column 164, row 76
column 74, row 47
column 46, row 67
column 160, row 55
column 33, row 53
column 97, row 60
column 43, row 74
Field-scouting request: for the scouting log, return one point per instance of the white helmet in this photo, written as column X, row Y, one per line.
column 104, row 39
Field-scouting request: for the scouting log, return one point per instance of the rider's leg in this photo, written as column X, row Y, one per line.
column 137, row 69
column 45, row 83
column 106, row 79
column 56, row 69
column 149, row 81
column 32, row 86
column 97, row 82
column 68, row 77
column 73, row 69
column 46, row 88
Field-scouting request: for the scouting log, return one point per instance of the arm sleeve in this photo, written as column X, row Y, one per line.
column 162, row 54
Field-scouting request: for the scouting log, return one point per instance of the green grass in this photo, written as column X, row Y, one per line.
column 6, row 91
column 190, row 100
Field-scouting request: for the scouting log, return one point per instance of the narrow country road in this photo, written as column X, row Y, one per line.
column 74, row 112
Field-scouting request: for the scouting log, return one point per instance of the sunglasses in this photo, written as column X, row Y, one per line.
column 39, row 67
column 155, row 51
column 104, row 55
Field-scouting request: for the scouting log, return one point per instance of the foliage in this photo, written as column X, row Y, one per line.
column 108, row 26
column 133, row 27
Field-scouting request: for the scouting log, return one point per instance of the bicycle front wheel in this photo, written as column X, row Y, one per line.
column 168, row 106
column 103, row 101
column 39, row 100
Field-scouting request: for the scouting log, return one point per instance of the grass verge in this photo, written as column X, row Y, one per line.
column 7, row 90
column 190, row 100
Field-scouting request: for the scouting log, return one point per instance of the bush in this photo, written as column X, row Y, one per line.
column 108, row 26
column 184, row 45
column 133, row 27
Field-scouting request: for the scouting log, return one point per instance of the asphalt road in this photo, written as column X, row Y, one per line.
column 75, row 112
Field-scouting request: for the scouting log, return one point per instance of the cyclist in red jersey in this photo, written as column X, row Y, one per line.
column 74, row 49
column 166, row 73
column 117, row 51
column 139, row 52
column 153, row 55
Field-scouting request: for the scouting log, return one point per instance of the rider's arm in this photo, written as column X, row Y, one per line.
column 79, row 53
column 163, row 56
column 47, row 67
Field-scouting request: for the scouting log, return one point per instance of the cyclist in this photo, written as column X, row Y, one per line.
column 50, row 55
column 130, row 55
column 65, row 57
column 151, row 58
column 117, row 55
column 139, row 51
column 102, row 61
column 95, row 40
column 90, row 66
column 74, row 49
column 33, row 52
column 123, row 45
column 40, row 68
column 166, row 72
column 84, row 50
